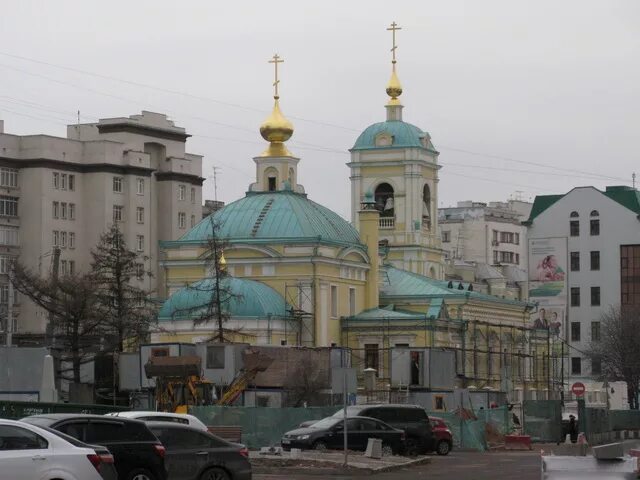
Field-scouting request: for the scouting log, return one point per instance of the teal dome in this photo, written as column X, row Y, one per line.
column 404, row 135
column 277, row 217
column 251, row 299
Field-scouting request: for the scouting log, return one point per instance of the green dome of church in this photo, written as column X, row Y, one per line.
column 277, row 217
column 404, row 135
column 250, row 299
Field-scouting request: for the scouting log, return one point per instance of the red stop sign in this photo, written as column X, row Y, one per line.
column 578, row 389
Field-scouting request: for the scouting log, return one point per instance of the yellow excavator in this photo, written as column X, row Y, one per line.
column 179, row 383
column 254, row 363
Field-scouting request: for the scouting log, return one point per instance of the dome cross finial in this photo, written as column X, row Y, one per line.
column 276, row 60
column 394, row 88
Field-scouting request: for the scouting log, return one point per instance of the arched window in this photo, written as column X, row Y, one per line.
column 574, row 214
column 595, row 213
column 271, row 179
column 426, row 206
column 384, row 200
column 574, row 225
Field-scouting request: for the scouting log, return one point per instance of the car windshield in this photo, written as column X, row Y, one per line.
column 40, row 421
column 326, row 422
column 351, row 412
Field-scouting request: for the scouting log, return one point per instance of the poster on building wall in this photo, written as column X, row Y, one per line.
column 548, row 284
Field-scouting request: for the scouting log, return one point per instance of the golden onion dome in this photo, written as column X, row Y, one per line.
column 394, row 88
column 276, row 129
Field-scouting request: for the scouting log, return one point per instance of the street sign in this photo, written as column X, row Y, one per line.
column 578, row 389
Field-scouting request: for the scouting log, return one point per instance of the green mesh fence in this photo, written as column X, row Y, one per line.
column 624, row 419
column 596, row 420
column 261, row 426
column 489, row 425
column 543, row 420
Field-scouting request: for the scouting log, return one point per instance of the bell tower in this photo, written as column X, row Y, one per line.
column 398, row 163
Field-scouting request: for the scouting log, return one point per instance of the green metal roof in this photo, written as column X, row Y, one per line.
column 276, row 216
column 626, row 196
column 251, row 299
column 387, row 313
column 404, row 135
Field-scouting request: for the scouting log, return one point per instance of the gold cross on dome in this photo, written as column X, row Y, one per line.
column 394, row 26
column 276, row 60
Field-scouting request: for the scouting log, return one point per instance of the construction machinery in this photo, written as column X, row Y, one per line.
column 179, row 383
column 254, row 363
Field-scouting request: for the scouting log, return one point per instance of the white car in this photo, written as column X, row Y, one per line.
column 28, row 452
column 149, row 416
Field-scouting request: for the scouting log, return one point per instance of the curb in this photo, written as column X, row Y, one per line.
column 323, row 469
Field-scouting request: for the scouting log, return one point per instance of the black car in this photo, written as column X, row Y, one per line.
column 328, row 433
column 138, row 454
column 412, row 419
column 193, row 454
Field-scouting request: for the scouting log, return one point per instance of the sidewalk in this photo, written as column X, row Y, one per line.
column 330, row 463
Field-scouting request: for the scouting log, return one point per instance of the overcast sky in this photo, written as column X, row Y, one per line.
column 499, row 85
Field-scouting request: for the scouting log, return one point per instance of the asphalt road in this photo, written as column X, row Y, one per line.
column 498, row 465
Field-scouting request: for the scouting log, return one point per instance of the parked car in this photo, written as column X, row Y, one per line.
column 443, row 436
column 138, row 454
column 193, row 454
column 328, row 433
column 412, row 419
column 150, row 416
column 28, row 452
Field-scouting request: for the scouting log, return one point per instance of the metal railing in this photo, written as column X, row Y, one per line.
column 387, row 222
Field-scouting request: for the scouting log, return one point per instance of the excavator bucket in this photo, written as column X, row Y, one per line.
column 179, row 367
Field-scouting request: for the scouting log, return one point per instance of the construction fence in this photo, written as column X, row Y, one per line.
column 16, row 410
column 265, row 426
column 542, row 420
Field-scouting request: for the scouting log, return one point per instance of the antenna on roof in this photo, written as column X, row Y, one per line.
column 78, row 117
column 215, row 182
column 633, row 179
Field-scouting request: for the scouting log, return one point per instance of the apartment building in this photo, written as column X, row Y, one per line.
column 65, row 192
column 483, row 233
column 597, row 256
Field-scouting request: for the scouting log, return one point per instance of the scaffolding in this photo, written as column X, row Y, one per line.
column 299, row 302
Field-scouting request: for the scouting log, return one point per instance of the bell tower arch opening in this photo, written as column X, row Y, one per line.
column 384, row 199
column 426, row 206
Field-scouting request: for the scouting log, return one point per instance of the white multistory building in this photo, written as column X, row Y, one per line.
column 601, row 231
column 65, row 192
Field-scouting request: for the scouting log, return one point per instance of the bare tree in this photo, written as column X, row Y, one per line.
column 306, row 383
column 216, row 286
column 125, row 308
column 619, row 348
column 71, row 303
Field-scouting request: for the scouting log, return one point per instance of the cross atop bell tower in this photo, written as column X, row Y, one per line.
column 394, row 88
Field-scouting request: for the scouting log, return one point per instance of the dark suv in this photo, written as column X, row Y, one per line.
column 138, row 454
column 412, row 419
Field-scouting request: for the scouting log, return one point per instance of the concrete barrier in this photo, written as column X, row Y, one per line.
column 517, row 442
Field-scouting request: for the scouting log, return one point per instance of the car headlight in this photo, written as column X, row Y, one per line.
column 303, row 437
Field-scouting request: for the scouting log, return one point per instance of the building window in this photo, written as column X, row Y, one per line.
column 352, row 301
column 495, row 257
column 574, row 214
column 574, row 228
column 72, row 240
column 272, row 184
column 596, row 366
column 56, row 180
column 516, row 239
column 438, row 402
column 193, row 220
column 8, row 206
column 182, row 220
column 215, row 357
column 56, row 238
column 5, row 263
column 117, row 213
column 576, row 366
column 72, row 182
column 8, row 177
column 117, row 184
column 63, row 267
column 140, row 243
column 63, row 210
column 63, row 239
column 446, row 236
column 193, row 195
column 334, row 301
column 72, row 211
column 575, row 296
column 55, row 209
column 63, row 181
column 140, row 214
column 575, row 331
column 595, row 296
column 595, row 227
column 140, row 186
column 595, row 260
column 8, row 236
column 595, row 331
column 139, row 267
column 181, row 192
column 575, row 261
column 517, row 259
column 72, row 267
column 371, row 356
column 630, row 274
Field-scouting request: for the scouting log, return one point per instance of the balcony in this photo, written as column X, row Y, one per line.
column 387, row 223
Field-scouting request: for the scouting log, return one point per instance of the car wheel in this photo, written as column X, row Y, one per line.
column 215, row 474
column 387, row 451
column 141, row 474
column 443, row 447
column 320, row 446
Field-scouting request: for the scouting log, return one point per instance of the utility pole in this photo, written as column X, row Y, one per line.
column 9, row 329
